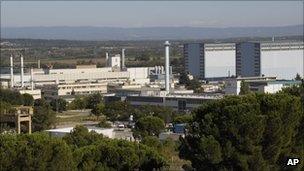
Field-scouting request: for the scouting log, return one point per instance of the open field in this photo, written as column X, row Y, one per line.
column 73, row 118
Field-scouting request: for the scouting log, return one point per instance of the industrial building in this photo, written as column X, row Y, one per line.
column 177, row 98
column 278, row 59
column 194, row 56
column 248, row 59
column 178, row 102
column 82, row 80
column 257, row 84
column 68, row 91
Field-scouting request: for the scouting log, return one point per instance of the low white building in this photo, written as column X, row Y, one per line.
column 139, row 75
column 60, row 132
column 178, row 102
column 36, row 93
column 68, row 91
column 257, row 84
column 114, row 61
column 113, row 133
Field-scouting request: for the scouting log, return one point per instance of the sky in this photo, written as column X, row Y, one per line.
column 151, row 13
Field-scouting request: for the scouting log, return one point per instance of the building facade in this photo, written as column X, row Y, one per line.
column 257, row 84
column 68, row 91
column 248, row 59
column 194, row 56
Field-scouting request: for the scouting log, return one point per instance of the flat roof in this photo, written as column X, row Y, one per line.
column 69, row 129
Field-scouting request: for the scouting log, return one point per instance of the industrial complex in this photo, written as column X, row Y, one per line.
column 249, row 62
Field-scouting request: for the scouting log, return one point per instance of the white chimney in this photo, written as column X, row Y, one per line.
column 107, row 58
column 12, row 71
column 123, row 58
column 21, row 71
column 167, row 77
column 38, row 63
column 32, row 78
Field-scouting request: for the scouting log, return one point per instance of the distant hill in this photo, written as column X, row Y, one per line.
column 146, row 33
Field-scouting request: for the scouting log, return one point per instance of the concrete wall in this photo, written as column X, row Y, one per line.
column 284, row 64
column 219, row 63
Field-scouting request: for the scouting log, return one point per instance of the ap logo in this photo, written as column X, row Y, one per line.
column 293, row 162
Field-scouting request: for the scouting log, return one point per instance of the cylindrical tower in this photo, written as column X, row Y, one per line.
column 21, row 71
column 107, row 59
column 167, row 64
column 32, row 78
column 12, row 71
column 123, row 58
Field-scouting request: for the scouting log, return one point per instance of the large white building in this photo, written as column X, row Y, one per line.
column 280, row 59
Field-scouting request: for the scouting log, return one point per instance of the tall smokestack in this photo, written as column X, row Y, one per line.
column 21, row 71
column 167, row 77
column 38, row 63
column 12, row 71
column 32, row 78
column 123, row 58
column 107, row 58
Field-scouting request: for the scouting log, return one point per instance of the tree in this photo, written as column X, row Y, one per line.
column 186, row 118
column 183, row 78
column 92, row 151
column 250, row 132
column 162, row 112
column 244, row 88
column 44, row 117
column 12, row 97
column 80, row 137
column 93, row 100
column 98, row 110
column 193, row 84
column 5, row 108
column 298, row 77
column 78, row 103
column 119, row 110
column 149, row 126
column 59, row 105
column 28, row 99
column 104, row 124
column 153, row 142
column 36, row 151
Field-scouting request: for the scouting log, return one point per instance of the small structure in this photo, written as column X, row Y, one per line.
column 18, row 115
column 112, row 133
column 60, row 132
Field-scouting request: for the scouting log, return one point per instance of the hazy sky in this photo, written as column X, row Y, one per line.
column 151, row 13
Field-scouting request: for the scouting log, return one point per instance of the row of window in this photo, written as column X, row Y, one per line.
column 100, row 86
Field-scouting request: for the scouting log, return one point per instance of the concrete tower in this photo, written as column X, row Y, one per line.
column 32, row 79
column 21, row 71
column 123, row 58
column 12, row 71
column 167, row 65
column 38, row 63
column 107, row 59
